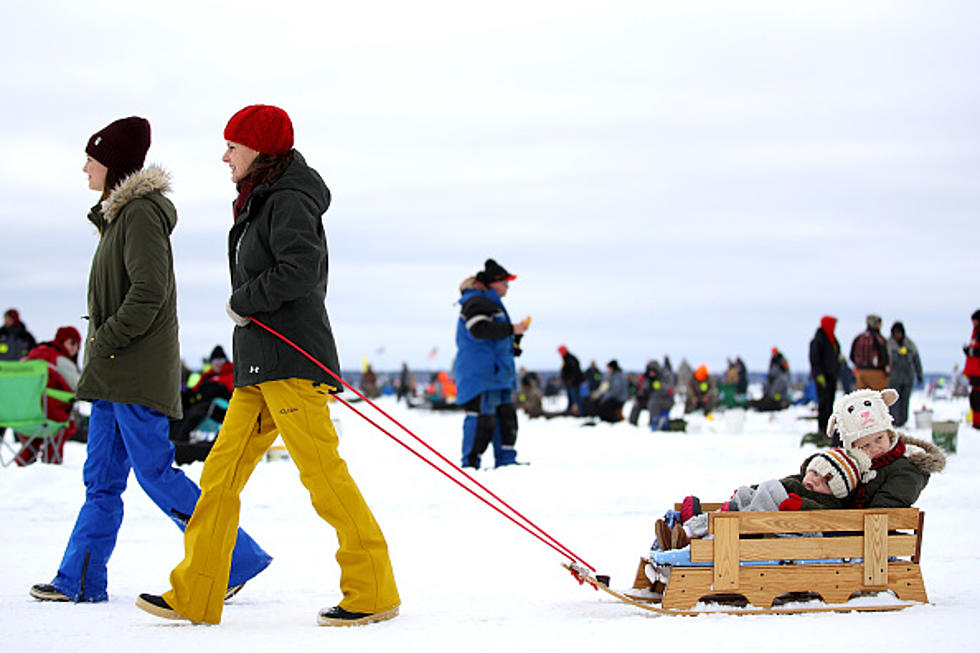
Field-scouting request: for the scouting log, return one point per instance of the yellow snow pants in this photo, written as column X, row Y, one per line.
column 297, row 410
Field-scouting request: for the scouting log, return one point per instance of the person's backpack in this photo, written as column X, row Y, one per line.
column 866, row 354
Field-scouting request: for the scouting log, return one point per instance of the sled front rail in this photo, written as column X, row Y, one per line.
column 859, row 552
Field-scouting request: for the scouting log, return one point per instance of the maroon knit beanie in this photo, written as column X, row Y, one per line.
column 121, row 147
column 262, row 127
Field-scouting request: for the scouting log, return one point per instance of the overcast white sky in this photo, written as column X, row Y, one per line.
column 699, row 179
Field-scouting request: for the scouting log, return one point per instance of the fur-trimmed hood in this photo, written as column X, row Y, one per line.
column 150, row 179
column 925, row 455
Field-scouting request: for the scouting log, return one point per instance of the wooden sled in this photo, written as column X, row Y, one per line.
column 865, row 560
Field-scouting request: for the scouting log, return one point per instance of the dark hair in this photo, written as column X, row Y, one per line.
column 267, row 168
column 112, row 179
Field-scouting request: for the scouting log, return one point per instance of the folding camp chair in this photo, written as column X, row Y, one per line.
column 207, row 429
column 24, row 396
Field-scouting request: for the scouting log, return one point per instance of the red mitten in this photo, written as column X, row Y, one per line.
column 689, row 507
column 792, row 502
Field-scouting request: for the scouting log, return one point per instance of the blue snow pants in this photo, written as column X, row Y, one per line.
column 123, row 437
column 490, row 418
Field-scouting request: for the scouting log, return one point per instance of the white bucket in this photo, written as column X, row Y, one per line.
column 923, row 419
column 735, row 421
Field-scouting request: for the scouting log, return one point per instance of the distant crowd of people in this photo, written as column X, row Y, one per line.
column 873, row 361
column 592, row 393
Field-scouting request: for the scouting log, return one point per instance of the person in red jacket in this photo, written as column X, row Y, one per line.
column 61, row 354
column 216, row 380
column 972, row 368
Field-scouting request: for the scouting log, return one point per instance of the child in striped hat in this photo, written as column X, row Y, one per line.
column 837, row 472
column 825, row 480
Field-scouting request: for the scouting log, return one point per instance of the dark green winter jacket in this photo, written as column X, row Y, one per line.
column 898, row 484
column 277, row 252
column 132, row 353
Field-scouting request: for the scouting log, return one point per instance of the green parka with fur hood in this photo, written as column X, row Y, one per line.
column 132, row 354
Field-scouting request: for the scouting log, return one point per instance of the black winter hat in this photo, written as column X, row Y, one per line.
column 218, row 352
column 121, row 146
column 492, row 272
column 976, row 315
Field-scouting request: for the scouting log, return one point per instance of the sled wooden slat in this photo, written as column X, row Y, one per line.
column 817, row 521
column 810, row 548
column 876, row 549
column 862, row 558
column 726, row 553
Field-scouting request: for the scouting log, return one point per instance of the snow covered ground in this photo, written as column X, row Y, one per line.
column 469, row 579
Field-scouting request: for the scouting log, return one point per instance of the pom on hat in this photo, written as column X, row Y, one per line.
column 121, row 146
column 562, row 349
column 842, row 470
column 263, row 128
column 66, row 333
column 493, row 272
column 701, row 374
column 861, row 413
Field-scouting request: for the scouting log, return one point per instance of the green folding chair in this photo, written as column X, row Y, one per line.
column 24, row 396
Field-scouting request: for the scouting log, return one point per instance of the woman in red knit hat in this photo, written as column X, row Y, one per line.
column 278, row 260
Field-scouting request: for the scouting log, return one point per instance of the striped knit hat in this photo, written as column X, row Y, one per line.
column 843, row 470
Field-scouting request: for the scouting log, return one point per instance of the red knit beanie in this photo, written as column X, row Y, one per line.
column 68, row 333
column 262, row 127
column 121, row 146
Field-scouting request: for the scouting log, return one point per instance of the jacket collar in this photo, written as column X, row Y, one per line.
column 139, row 184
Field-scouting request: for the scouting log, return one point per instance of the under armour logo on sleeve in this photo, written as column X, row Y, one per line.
column 254, row 369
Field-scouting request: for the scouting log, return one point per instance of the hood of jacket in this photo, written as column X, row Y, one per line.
column 147, row 183
column 924, row 454
column 827, row 324
column 301, row 178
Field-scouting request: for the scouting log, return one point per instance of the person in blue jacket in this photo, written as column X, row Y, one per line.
column 487, row 343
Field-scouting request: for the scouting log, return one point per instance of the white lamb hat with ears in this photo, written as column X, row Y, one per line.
column 862, row 413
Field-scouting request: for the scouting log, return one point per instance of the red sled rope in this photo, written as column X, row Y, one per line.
column 537, row 531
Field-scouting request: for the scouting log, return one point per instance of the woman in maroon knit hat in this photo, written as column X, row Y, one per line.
column 131, row 371
column 61, row 355
column 278, row 261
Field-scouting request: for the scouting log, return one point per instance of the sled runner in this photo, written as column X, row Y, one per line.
column 770, row 562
